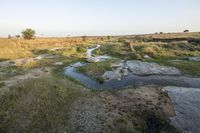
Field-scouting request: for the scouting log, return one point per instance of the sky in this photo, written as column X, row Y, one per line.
column 98, row 17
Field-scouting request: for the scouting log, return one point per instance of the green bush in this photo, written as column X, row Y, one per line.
column 28, row 33
column 151, row 50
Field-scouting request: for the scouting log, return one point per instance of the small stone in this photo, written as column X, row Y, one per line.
column 147, row 57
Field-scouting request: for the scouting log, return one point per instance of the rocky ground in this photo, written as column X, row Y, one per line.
column 194, row 59
column 187, row 105
column 123, row 68
column 11, row 75
column 144, row 109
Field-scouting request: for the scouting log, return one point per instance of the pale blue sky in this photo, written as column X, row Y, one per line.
column 98, row 17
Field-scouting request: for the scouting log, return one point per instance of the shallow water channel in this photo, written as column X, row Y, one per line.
column 130, row 79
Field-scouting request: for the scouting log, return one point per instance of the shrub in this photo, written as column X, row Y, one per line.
column 17, row 36
column 151, row 51
column 2, row 84
column 9, row 37
column 28, row 33
column 81, row 49
column 108, row 37
column 84, row 38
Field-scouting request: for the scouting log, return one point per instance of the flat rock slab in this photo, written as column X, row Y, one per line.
column 194, row 58
column 58, row 63
column 146, row 68
column 4, row 64
column 111, row 75
column 186, row 103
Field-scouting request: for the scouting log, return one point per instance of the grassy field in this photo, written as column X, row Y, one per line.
column 162, row 45
column 40, row 105
column 20, row 48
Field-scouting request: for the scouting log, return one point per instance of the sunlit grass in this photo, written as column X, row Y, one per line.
column 39, row 105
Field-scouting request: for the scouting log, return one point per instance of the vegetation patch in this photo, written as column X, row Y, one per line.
column 118, row 50
column 39, row 105
column 2, row 84
column 185, row 66
column 96, row 70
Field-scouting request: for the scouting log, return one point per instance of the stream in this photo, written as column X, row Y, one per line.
column 129, row 80
column 132, row 80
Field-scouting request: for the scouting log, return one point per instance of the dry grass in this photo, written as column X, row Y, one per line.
column 20, row 48
column 38, row 105
column 174, row 35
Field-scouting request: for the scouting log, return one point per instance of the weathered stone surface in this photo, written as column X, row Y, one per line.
column 58, row 63
column 92, row 59
column 19, row 62
column 111, row 75
column 47, row 56
column 2, row 74
column 186, row 103
column 5, row 63
column 146, row 68
column 194, row 58
column 146, row 56
column 77, row 64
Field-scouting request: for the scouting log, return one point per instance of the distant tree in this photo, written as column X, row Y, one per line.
column 186, row 31
column 84, row 38
column 120, row 40
column 9, row 36
column 28, row 33
column 17, row 36
column 161, row 32
column 108, row 37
